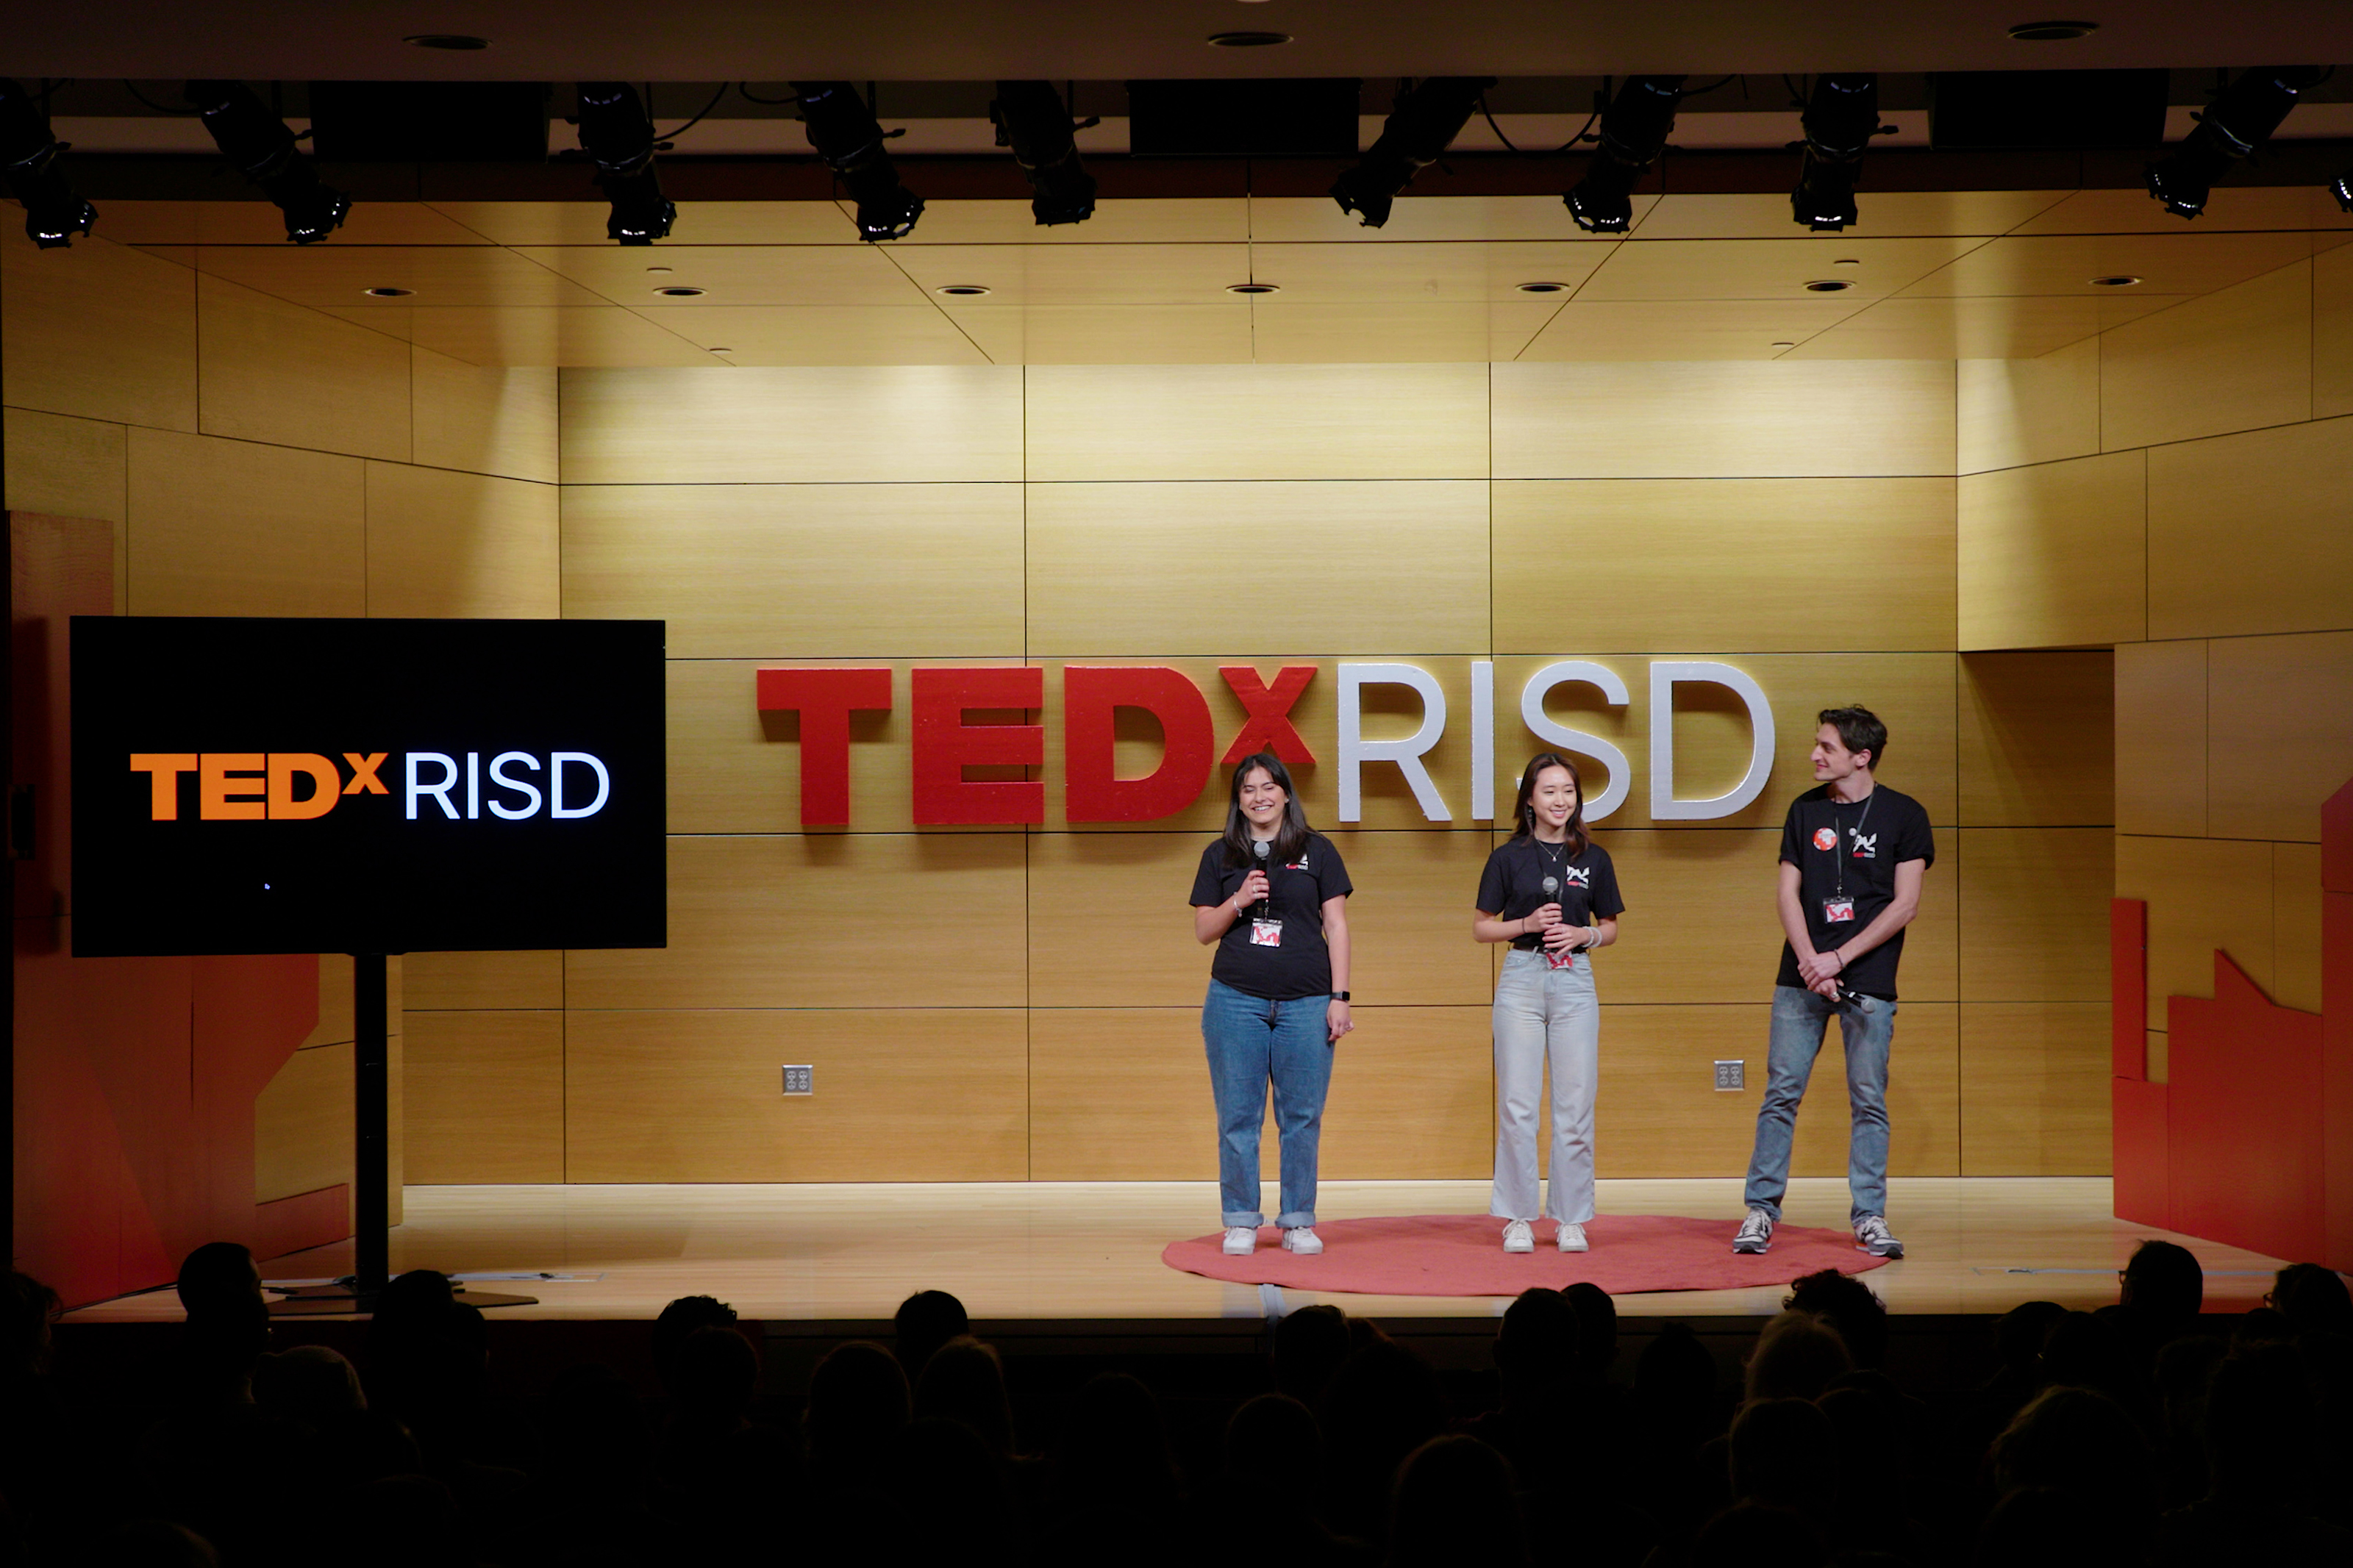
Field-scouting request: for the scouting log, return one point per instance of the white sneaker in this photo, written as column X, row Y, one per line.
column 1871, row 1236
column 1755, row 1233
column 1519, row 1236
column 1302, row 1240
column 1572, row 1239
column 1241, row 1240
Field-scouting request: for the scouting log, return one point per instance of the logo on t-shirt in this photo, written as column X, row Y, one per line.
column 1825, row 839
column 1298, row 865
column 1579, row 876
column 1866, row 847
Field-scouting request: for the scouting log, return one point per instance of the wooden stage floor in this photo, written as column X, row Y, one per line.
column 1040, row 1251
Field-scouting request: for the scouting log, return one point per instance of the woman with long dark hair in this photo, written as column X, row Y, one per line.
column 1272, row 894
column 1552, row 893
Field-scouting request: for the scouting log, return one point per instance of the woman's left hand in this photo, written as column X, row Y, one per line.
column 1338, row 1021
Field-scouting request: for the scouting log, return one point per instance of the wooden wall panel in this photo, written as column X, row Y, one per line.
column 471, row 980
column 2052, row 556
column 2287, row 565
column 2162, row 738
column 2035, row 1089
column 1257, row 422
column 484, row 1097
column 1699, row 923
column 2296, row 900
column 2038, row 738
column 846, row 571
column 97, row 331
column 2280, row 732
column 1659, row 1116
column 2033, row 913
column 1345, row 566
column 2332, row 333
column 230, row 528
column 1720, row 564
column 2235, row 359
column 303, row 1125
column 496, row 419
column 70, row 468
column 2204, row 894
column 912, row 423
column 275, row 371
column 854, row 920
column 2012, row 411
column 910, row 1094
column 441, row 543
column 1720, row 420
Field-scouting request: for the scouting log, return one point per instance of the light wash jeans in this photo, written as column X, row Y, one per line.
column 1799, row 1020
column 1252, row 1042
column 1544, row 1013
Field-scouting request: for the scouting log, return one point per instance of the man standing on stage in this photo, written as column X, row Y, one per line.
column 1852, row 855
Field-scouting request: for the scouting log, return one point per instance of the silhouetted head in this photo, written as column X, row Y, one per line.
column 964, row 1381
column 1784, row 1452
column 2018, row 1336
column 1271, row 1435
column 679, row 1319
column 219, row 1277
column 2163, row 1282
column 1114, row 1447
column 1596, row 1328
column 2083, row 1351
column 2313, row 1298
column 1675, row 1379
column 717, row 1373
column 1309, row 1346
column 857, row 1402
column 2263, row 1423
column 1849, row 1306
column 2079, row 1441
column 596, row 1433
column 311, row 1385
column 1453, row 1504
column 927, row 1321
column 1796, row 1356
column 27, row 1308
column 1535, row 1345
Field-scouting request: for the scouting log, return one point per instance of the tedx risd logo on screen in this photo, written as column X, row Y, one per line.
column 296, row 786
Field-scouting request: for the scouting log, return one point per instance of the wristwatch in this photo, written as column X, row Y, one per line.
column 1339, row 995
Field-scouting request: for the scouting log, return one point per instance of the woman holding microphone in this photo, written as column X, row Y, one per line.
column 1550, row 892
column 1272, row 894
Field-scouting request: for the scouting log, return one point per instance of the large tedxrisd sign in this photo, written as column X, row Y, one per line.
column 947, row 741
column 299, row 785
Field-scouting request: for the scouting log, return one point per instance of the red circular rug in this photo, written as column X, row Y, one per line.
column 1462, row 1255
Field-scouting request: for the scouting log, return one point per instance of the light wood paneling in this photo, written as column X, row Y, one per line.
column 303, row 1125
column 1050, row 274
column 842, row 572
column 229, row 528
column 1722, row 420
column 1757, row 216
column 335, row 1024
column 468, row 981
column 806, row 335
column 276, row 372
column 483, row 420
column 2247, row 533
column 1217, row 333
column 1353, row 567
column 2017, row 411
column 1257, row 422
column 2012, row 328
column 1659, row 269
column 70, row 468
column 2235, row 359
column 1659, row 1115
column 934, row 1095
column 921, row 423
column 441, row 543
column 338, row 277
column 2279, row 732
column 1288, row 330
column 485, row 1097
column 2332, row 333
column 2033, row 908
column 1681, row 330
column 855, row 920
column 2174, row 263
column 2053, row 555
column 731, row 274
column 1412, row 272
column 2234, row 207
column 2204, row 894
column 536, row 335
column 2035, row 1089
column 1422, row 218
column 2038, row 738
column 1123, row 1094
column 252, row 220
column 1130, row 221
column 2295, row 925
column 2162, row 738
column 97, row 331
column 1715, row 564
column 709, row 222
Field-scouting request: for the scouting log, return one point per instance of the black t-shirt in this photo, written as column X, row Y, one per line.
column 1864, row 841
column 1512, row 887
column 1299, row 966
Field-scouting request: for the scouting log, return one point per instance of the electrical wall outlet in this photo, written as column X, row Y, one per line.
column 1732, row 1075
column 801, row 1080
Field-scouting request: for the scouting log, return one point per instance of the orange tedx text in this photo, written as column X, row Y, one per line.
column 234, row 787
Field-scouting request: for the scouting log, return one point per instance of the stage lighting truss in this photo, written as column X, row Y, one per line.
column 843, row 130
column 1634, row 132
column 1032, row 120
column 617, row 133
column 1423, row 123
column 54, row 212
column 265, row 151
column 1841, row 117
column 2239, row 122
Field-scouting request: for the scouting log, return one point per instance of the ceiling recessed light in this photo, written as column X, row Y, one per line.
column 1828, row 285
column 2051, row 31
column 388, row 292
column 2115, row 280
column 1247, row 41
column 1787, row 345
column 1541, row 288
column 680, row 291
column 961, row 290
column 1252, row 289
column 461, row 41
column 718, row 350
column 1848, row 261
column 657, row 269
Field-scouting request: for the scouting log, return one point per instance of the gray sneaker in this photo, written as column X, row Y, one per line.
column 1755, row 1234
column 1871, row 1236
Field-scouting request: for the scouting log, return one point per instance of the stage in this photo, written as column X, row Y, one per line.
column 1046, row 1253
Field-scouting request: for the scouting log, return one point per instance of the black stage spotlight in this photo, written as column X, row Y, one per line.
column 1840, row 119
column 1634, row 131
column 1416, row 134
column 1031, row 120
column 258, row 143
column 618, row 134
column 2241, row 119
column 843, row 130
column 53, row 214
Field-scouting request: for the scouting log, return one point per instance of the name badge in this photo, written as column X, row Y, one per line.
column 1838, row 911
column 1266, row 933
column 1565, row 959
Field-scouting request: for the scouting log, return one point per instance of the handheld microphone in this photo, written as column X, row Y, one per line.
column 1262, row 848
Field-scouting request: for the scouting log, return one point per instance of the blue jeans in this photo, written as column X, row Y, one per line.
column 1252, row 1042
column 1799, row 1019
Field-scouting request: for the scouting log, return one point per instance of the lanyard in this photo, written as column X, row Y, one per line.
column 1838, row 855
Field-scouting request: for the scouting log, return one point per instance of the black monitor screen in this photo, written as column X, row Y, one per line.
column 298, row 785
